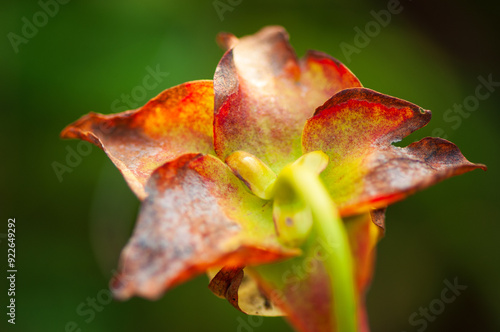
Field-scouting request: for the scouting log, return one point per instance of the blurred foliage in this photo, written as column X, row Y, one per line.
column 69, row 233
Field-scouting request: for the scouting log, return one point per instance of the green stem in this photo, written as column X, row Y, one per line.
column 329, row 227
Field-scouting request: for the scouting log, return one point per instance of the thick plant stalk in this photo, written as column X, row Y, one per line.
column 329, row 228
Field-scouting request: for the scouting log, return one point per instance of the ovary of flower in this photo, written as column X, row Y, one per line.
column 291, row 215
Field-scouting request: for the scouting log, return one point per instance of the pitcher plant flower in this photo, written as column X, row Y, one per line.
column 273, row 179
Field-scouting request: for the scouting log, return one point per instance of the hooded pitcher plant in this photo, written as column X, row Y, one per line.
column 273, row 179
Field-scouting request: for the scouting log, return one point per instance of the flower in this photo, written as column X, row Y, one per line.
column 247, row 177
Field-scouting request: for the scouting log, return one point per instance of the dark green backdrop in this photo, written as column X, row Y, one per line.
column 89, row 53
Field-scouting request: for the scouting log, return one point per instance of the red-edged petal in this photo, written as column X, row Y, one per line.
column 300, row 287
column 177, row 121
column 355, row 128
column 197, row 215
column 264, row 94
column 364, row 233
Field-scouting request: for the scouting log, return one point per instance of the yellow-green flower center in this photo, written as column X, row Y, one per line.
column 292, row 216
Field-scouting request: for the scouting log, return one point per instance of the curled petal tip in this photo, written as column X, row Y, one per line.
column 226, row 40
column 120, row 287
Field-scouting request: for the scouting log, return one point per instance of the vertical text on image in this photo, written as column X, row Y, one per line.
column 11, row 270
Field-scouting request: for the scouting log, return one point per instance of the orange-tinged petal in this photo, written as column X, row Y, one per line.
column 363, row 234
column 264, row 94
column 326, row 76
column 300, row 287
column 226, row 40
column 197, row 215
column 355, row 128
column 177, row 121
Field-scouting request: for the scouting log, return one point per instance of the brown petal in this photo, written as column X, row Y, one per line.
column 355, row 128
column 242, row 291
column 177, row 121
column 378, row 218
column 301, row 286
column 264, row 94
column 197, row 216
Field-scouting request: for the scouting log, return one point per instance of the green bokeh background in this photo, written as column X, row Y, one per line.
column 69, row 233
